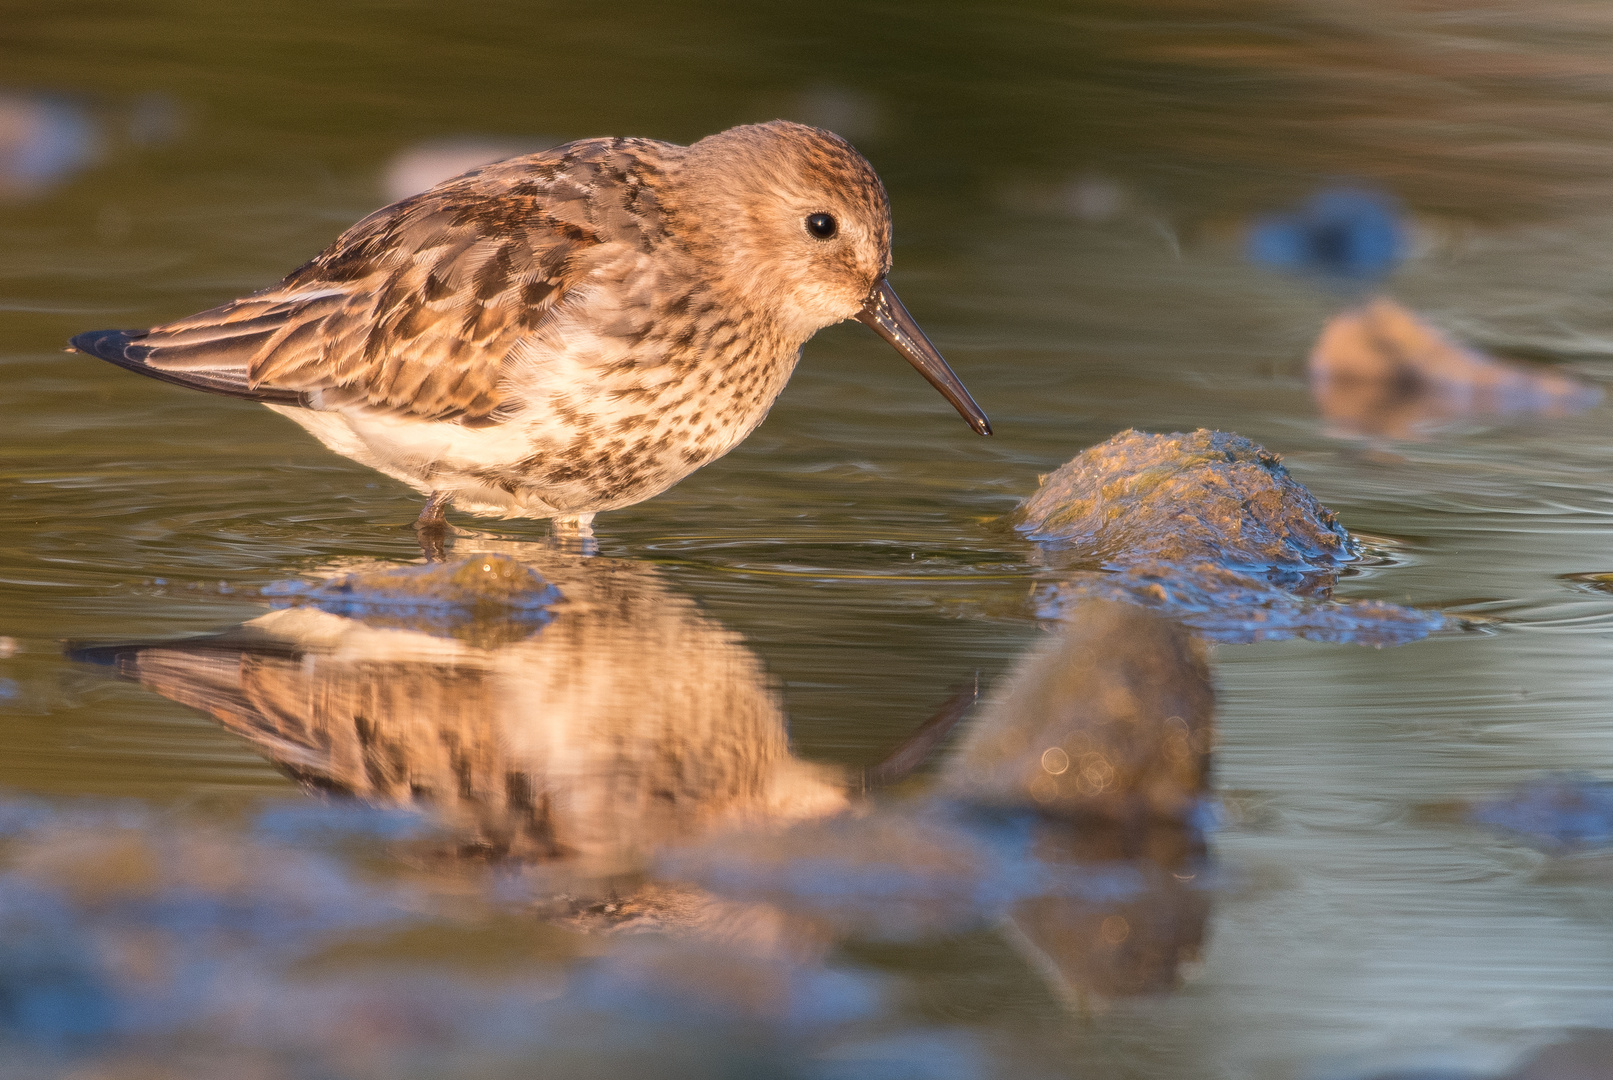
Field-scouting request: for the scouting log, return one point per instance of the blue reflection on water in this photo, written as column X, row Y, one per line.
column 293, row 823
column 1345, row 234
column 53, row 991
column 1557, row 812
column 46, row 140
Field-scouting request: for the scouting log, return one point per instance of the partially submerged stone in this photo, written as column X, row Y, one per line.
column 480, row 580
column 1207, row 527
column 1112, row 718
column 1378, row 369
column 487, row 599
column 1204, row 496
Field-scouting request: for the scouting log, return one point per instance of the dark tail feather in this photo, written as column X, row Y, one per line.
column 123, row 348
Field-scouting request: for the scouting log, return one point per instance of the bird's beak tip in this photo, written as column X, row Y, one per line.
column 884, row 312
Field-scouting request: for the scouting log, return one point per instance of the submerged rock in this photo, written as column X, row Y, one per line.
column 1208, row 527
column 488, row 599
column 1378, row 369
column 1112, row 718
column 1342, row 235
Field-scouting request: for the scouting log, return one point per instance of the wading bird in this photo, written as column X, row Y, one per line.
column 564, row 332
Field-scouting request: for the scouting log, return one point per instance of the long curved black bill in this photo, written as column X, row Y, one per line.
column 890, row 320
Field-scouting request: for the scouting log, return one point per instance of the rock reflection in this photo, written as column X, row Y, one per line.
column 1071, row 818
column 1343, row 236
column 1146, row 936
column 1211, row 528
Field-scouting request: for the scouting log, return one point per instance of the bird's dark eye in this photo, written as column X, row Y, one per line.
column 823, row 226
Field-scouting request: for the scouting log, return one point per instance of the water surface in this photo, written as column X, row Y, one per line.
column 1070, row 185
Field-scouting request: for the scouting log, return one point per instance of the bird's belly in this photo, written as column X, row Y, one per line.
column 596, row 445
column 519, row 469
column 428, row 455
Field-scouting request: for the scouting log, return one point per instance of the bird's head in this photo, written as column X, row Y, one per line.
column 799, row 226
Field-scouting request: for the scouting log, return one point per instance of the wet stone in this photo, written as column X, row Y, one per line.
column 490, row 599
column 1206, row 496
column 1210, row 528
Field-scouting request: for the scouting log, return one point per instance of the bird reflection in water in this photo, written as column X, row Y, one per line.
column 620, row 720
column 632, row 743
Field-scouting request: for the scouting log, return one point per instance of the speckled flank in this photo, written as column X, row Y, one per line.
column 564, row 332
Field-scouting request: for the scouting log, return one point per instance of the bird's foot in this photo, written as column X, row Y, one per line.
column 575, row 533
column 431, row 528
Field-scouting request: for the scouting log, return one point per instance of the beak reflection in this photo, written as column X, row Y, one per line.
column 890, row 320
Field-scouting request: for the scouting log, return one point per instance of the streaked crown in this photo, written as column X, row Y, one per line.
column 796, row 217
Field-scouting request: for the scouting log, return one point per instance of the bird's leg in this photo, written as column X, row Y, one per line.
column 431, row 527
column 575, row 531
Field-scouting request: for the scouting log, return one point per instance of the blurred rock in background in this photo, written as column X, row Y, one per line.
column 43, row 141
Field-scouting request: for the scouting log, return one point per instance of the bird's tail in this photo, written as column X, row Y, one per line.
column 123, row 348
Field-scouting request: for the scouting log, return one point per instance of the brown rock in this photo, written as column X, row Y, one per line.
column 1378, row 369
column 1205, row 496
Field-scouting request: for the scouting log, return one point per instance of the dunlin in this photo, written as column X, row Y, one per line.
column 564, row 332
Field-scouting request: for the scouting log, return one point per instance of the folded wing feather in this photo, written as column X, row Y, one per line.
column 416, row 309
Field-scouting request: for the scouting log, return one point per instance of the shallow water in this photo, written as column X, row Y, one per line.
column 1070, row 185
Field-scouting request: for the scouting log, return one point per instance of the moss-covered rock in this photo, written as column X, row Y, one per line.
column 1207, row 496
column 1209, row 528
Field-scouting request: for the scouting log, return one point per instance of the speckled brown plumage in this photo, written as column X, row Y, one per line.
column 564, row 332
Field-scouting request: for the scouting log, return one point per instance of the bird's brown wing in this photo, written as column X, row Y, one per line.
column 416, row 309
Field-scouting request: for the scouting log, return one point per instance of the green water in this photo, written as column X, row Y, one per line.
column 1069, row 186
